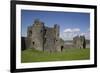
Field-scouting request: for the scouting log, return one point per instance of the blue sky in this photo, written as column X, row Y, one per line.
column 71, row 23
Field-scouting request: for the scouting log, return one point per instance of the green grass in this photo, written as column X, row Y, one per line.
column 31, row 55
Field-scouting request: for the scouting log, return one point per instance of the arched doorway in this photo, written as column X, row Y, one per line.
column 62, row 48
column 33, row 43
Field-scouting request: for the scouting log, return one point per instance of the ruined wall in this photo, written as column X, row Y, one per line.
column 68, row 46
column 35, row 36
column 43, row 38
column 58, row 42
column 79, row 42
column 29, row 36
column 49, row 40
column 83, row 41
column 52, row 41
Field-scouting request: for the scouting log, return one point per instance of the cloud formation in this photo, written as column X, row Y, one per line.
column 76, row 30
column 71, row 30
column 68, row 30
column 69, row 33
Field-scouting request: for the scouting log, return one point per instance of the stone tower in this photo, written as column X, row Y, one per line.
column 79, row 42
column 35, row 35
column 83, row 41
column 51, row 38
column 57, row 39
column 43, row 38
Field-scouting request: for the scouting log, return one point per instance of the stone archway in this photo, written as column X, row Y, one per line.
column 62, row 47
column 33, row 43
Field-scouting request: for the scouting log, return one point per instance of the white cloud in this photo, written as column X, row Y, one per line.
column 68, row 30
column 69, row 33
column 83, row 33
column 72, row 30
column 76, row 30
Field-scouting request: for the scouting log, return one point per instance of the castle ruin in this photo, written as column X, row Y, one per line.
column 43, row 38
column 79, row 42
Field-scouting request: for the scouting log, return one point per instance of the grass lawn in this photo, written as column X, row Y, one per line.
column 31, row 55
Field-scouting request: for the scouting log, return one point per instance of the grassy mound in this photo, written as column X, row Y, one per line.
column 31, row 55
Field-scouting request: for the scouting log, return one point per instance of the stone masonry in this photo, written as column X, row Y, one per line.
column 79, row 42
column 41, row 37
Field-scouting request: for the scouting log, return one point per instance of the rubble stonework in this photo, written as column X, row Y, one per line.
column 43, row 38
column 79, row 42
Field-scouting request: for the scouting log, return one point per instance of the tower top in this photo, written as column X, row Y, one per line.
column 36, row 21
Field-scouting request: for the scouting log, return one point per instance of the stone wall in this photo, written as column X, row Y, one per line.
column 43, row 38
column 35, row 35
column 79, row 42
column 49, row 40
